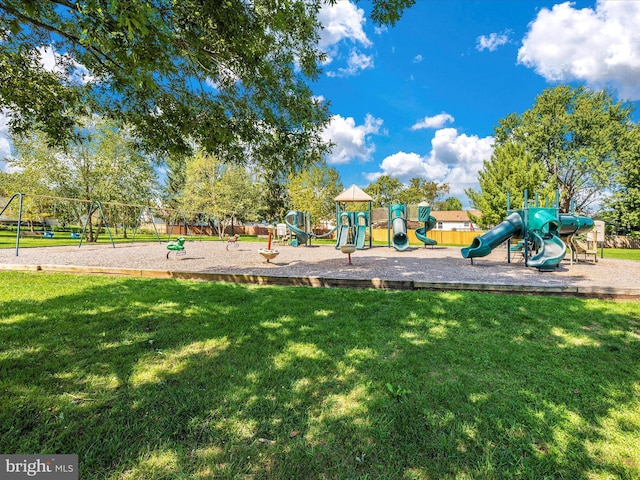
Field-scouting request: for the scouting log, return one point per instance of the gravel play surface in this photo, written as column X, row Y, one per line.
column 416, row 264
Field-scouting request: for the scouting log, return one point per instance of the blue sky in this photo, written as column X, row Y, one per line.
column 421, row 99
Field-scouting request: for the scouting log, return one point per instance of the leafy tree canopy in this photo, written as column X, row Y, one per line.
column 387, row 190
column 314, row 190
column 101, row 163
column 509, row 172
column 384, row 191
column 449, row 204
column 578, row 137
column 230, row 76
column 624, row 204
column 225, row 192
column 420, row 190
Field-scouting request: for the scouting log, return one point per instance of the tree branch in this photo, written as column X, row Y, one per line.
column 64, row 3
column 97, row 53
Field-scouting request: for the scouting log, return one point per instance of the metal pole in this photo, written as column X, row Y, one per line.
column 370, row 227
column 20, row 195
column 526, row 227
column 389, row 226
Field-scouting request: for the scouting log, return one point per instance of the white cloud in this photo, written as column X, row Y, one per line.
column 404, row 166
column 491, row 42
column 351, row 141
column 380, row 29
column 454, row 159
column 418, row 58
column 437, row 121
column 356, row 63
column 600, row 46
column 74, row 72
column 342, row 21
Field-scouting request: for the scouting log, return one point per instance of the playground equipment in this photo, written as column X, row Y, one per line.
column 279, row 233
column 583, row 248
column 20, row 198
column 344, row 229
column 424, row 215
column 348, row 248
column 177, row 246
column 95, row 206
column 346, row 240
column 539, row 228
column 361, row 229
column 299, row 223
column 267, row 253
column 353, row 224
column 398, row 222
column 352, row 228
column 232, row 241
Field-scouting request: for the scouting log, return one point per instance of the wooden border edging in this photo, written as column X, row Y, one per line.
column 322, row 282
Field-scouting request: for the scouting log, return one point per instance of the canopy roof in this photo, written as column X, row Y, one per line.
column 353, row 194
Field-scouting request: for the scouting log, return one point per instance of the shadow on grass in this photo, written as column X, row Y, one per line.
column 177, row 379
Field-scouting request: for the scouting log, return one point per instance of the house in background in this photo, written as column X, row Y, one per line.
column 456, row 220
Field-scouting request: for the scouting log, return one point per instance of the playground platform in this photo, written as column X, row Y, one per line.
column 417, row 268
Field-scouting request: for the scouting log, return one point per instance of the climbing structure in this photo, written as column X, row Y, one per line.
column 540, row 229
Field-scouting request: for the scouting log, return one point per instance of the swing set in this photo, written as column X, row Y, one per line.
column 95, row 216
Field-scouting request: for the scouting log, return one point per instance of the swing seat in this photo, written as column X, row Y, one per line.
column 75, row 235
column 177, row 246
column 48, row 234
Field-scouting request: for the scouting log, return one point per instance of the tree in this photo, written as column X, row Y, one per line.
column 577, row 136
column 176, row 166
column 21, row 181
column 230, row 77
column 449, row 204
column 385, row 191
column 225, row 192
column 510, row 171
column 624, row 204
column 273, row 196
column 314, row 191
column 101, row 162
column 420, row 190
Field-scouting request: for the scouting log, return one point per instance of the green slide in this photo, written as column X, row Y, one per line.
column 482, row 246
column 399, row 224
column 552, row 251
column 301, row 236
column 361, row 231
column 343, row 232
column 544, row 227
column 421, row 233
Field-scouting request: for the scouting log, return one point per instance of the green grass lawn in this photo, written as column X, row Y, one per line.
column 623, row 253
column 174, row 379
column 8, row 238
